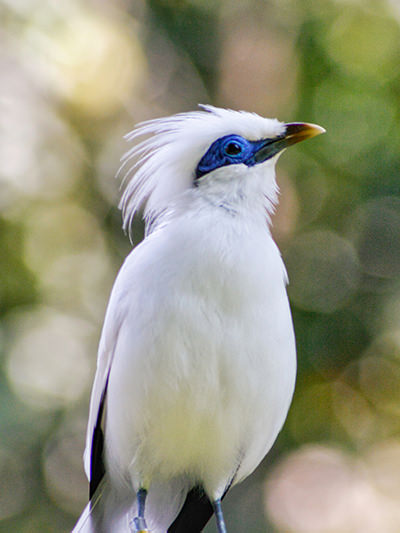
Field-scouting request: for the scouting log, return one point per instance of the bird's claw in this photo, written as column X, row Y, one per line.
column 138, row 525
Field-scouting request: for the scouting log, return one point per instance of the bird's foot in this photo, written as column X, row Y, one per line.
column 138, row 525
column 219, row 516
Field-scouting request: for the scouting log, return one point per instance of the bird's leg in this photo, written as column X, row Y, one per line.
column 219, row 516
column 139, row 521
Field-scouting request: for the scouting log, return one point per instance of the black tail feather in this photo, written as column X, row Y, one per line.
column 195, row 513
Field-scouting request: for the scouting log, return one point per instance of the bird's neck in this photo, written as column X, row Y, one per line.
column 239, row 204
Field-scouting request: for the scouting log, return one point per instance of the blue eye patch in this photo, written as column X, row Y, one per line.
column 234, row 149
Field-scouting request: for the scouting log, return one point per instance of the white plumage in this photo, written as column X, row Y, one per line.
column 166, row 161
column 197, row 354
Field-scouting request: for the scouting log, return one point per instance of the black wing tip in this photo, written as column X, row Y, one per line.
column 97, row 465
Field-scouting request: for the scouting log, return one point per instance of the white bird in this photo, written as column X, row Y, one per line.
column 197, row 361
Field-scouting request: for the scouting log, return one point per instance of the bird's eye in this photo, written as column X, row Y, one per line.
column 233, row 148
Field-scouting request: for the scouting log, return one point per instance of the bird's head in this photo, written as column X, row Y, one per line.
column 223, row 154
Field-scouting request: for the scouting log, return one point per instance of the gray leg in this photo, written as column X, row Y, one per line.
column 139, row 523
column 219, row 517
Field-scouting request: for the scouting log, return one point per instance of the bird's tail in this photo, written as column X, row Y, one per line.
column 106, row 512
column 111, row 511
column 86, row 523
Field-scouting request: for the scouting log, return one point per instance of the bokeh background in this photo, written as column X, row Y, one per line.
column 74, row 77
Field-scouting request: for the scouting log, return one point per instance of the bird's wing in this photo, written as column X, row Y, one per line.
column 97, row 466
column 117, row 311
column 95, row 436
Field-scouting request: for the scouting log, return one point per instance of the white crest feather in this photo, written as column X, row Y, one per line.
column 165, row 163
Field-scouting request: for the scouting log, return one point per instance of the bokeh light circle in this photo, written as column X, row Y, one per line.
column 323, row 271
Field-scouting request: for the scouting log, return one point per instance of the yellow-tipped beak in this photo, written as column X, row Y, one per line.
column 300, row 131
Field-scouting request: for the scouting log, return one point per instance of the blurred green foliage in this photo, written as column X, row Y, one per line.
column 78, row 75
